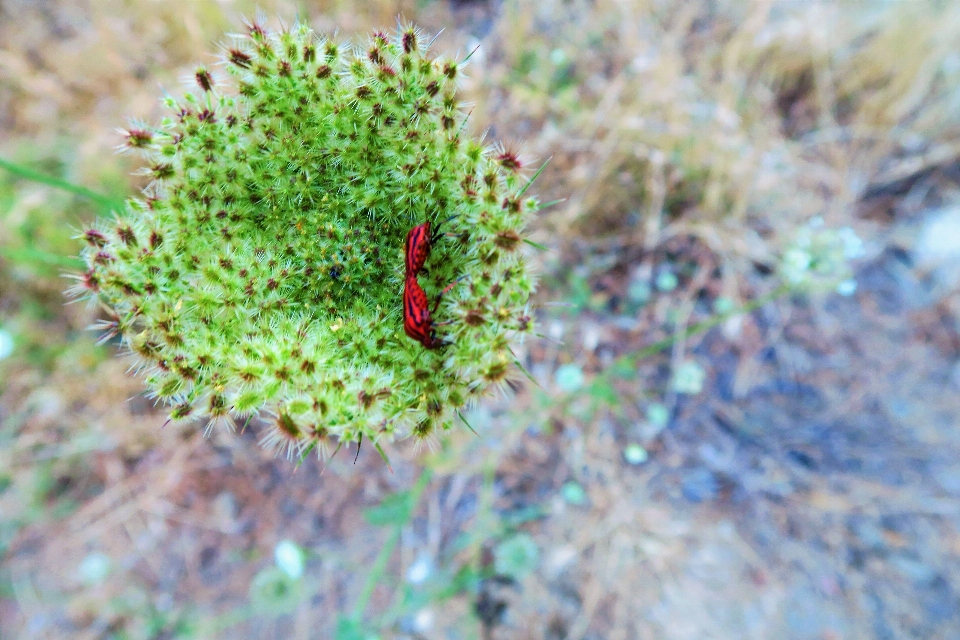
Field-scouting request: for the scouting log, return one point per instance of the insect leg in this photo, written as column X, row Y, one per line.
column 446, row 290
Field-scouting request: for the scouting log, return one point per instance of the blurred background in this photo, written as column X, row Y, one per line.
column 792, row 471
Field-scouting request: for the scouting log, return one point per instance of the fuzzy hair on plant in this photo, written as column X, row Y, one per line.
column 262, row 271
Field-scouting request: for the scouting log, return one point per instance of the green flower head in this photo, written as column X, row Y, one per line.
column 263, row 270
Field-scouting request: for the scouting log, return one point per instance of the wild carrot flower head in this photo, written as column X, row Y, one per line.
column 262, row 270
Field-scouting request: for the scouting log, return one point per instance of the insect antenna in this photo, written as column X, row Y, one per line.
column 435, row 234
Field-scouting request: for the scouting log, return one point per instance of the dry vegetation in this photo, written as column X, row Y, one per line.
column 810, row 491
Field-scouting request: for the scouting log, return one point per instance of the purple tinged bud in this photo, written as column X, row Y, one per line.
column 257, row 32
column 409, row 41
column 240, row 58
column 127, row 236
column 204, row 79
column 509, row 161
column 94, row 238
column 139, row 138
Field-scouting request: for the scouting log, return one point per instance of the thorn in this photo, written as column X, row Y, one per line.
column 550, row 204
column 359, row 444
column 339, row 444
column 464, row 123
column 530, row 377
column 549, row 339
column 383, row 455
column 471, row 54
column 434, row 38
column 137, row 395
column 452, row 285
column 467, row 423
column 303, row 456
column 530, row 182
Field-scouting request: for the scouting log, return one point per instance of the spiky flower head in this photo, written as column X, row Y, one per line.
column 262, row 272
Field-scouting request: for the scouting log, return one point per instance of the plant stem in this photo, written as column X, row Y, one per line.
column 707, row 324
column 40, row 257
column 633, row 359
column 380, row 565
column 104, row 202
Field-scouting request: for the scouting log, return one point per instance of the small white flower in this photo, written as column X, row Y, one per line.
column 658, row 414
column 6, row 344
column 569, row 377
column 635, row 454
column 847, row 287
column 852, row 244
column 666, row 281
column 689, row 378
column 289, row 558
column 423, row 620
column 420, row 570
column 558, row 57
column 95, row 568
column 797, row 259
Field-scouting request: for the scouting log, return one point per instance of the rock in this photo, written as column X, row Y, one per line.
column 937, row 247
column 700, row 485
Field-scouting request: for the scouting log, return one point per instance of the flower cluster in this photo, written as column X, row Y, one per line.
column 261, row 273
column 819, row 258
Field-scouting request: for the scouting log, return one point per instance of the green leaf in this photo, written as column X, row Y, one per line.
column 349, row 629
column 524, row 515
column 274, row 593
column 517, row 556
column 602, row 391
column 623, row 369
column 394, row 510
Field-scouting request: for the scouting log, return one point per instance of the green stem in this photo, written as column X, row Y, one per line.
column 707, row 324
column 380, row 566
column 40, row 257
column 633, row 359
column 104, row 202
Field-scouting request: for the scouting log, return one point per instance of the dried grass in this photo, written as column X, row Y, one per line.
column 733, row 122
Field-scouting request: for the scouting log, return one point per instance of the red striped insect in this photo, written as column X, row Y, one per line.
column 420, row 240
column 417, row 322
column 416, row 309
column 418, row 248
column 416, row 313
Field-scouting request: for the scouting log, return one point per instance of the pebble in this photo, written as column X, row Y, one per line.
column 699, row 485
column 937, row 247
